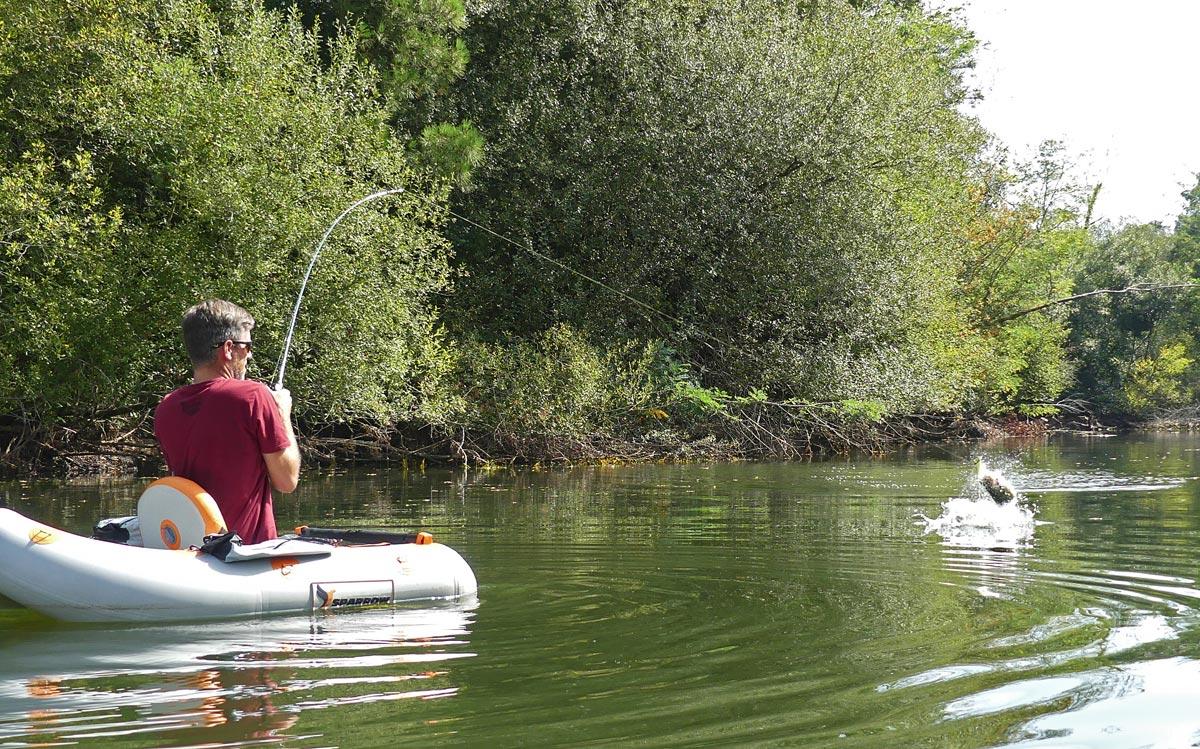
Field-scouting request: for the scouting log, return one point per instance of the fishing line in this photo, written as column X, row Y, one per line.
column 529, row 248
column 684, row 325
column 650, row 308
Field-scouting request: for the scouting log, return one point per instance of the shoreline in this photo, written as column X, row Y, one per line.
column 70, row 454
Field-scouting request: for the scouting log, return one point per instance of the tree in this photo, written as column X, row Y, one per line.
column 1187, row 229
column 784, row 186
column 1133, row 350
column 1029, row 234
column 415, row 47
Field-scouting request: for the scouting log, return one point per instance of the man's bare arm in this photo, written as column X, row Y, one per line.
column 284, row 466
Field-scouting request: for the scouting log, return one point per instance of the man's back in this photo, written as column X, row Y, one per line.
column 215, row 433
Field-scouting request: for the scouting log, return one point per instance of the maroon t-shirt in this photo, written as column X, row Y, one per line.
column 215, row 433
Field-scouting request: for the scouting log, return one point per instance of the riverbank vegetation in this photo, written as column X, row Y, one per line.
column 633, row 230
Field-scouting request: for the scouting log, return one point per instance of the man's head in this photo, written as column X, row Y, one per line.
column 214, row 330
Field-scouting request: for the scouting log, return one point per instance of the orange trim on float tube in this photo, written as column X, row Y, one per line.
column 284, row 564
column 204, row 503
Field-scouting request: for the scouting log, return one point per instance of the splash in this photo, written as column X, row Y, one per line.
column 980, row 523
column 974, row 520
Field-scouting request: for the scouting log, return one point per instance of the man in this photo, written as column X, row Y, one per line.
column 231, row 436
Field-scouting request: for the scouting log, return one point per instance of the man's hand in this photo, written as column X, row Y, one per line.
column 283, row 399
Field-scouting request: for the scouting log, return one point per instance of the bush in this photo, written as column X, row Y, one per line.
column 1158, row 383
column 558, row 385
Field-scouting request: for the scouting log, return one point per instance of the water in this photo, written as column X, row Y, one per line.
column 858, row 603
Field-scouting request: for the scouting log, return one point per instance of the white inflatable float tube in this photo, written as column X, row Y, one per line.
column 72, row 578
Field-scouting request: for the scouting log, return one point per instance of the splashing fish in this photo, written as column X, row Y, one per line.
column 994, row 483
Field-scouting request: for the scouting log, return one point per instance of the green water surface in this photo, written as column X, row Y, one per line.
column 849, row 603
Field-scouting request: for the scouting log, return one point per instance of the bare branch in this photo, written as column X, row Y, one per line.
column 1132, row 289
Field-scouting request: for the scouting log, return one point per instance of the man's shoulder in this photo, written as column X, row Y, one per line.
column 247, row 396
column 222, row 390
column 181, row 393
column 243, row 386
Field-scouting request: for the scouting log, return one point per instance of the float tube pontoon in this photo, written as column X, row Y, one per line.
column 73, row 578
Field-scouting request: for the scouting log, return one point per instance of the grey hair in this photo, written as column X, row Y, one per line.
column 209, row 324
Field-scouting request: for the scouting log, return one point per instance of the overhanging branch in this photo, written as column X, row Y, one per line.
column 1132, row 289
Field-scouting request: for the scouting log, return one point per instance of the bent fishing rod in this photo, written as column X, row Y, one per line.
column 287, row 343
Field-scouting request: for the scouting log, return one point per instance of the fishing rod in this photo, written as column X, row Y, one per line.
column 287, row 343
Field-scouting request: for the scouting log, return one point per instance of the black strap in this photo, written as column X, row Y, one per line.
column 115, row 533
column 219, row 545
column 351, row 536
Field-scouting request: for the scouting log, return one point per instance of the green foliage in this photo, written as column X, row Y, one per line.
column 829, row 240
column 862, row 410
column 559, row 385
column 166, row 152
column 1027, row 369
column 1114, row 336
column 1157, row 382
column 681, row 391
column 62, row 272
column 1186, row 239
column 414, row 42
column 414, row 46
column 787, row 185
column 695, row 401
column 1027, row 241
column 451, row 152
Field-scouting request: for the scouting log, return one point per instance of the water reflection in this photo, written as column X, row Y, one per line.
column 1107, row 638
column 1145, row 704
column 234, row 683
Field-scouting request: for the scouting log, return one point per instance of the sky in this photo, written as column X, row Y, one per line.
column 1116, row 82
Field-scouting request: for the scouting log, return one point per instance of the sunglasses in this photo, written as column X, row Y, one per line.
column 248, row 344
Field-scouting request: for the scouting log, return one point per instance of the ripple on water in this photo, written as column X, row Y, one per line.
column 249, row 678
column 744, row 605
column 1096, row 480
column 1107, row 638
column 1064, row 671
column 1143, row 704
column 1061, row 670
